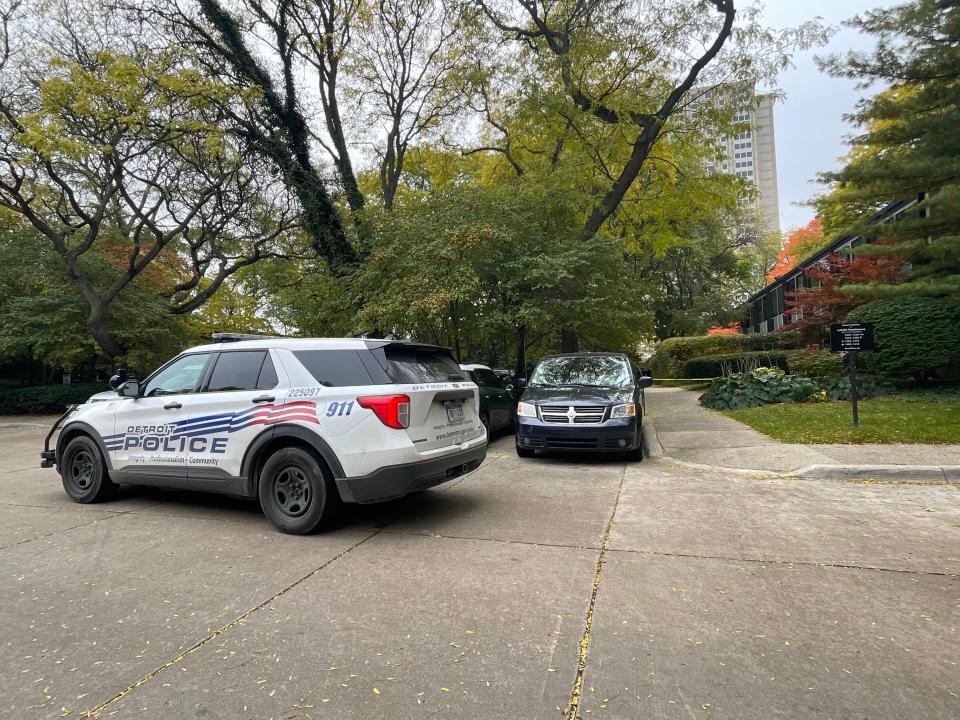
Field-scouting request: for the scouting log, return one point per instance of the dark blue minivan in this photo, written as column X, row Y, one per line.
column 584, row 402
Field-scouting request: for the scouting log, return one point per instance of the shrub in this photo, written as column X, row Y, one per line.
column 711, row 366
column 764, row 386
column 838, row 387
column 669, row 359
column 912, row 335
column 46, row 398
column 814, row 363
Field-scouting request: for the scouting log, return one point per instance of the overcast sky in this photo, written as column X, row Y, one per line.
column 809, row 123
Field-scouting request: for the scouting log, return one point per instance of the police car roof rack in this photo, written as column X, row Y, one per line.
column 227, row 337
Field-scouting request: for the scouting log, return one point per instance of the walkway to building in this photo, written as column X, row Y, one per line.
column 691, row 433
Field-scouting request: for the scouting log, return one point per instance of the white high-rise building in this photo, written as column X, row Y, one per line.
column 751, row 154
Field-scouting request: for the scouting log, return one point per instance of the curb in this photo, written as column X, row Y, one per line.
column 940, row 474
column 926, row 473
column 651, row 442
column 6, row 426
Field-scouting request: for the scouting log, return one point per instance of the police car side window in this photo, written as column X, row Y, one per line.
column 268, row 375
column 181, row 376
column 237, row 370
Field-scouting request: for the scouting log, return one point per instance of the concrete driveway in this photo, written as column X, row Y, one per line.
column 529, row 589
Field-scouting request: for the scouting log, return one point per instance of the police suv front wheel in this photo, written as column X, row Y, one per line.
column 295, row 493
column 84, row 472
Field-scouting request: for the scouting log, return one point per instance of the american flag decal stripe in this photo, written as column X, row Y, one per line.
column 298, row 411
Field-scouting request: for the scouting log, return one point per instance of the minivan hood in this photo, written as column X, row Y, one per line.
column 573, row 395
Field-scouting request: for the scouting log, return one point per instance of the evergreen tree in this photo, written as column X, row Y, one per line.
column 910, row 148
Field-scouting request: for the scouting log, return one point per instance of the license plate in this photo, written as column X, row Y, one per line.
column 455, row 413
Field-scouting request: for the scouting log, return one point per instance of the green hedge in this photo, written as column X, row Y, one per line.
column 913, row 336
column 46, row 398
column 669, row 359
column 712, row 366
column 814, row 363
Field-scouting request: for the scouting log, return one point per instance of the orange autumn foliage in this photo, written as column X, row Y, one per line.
column 801, row 244
column 731, row 329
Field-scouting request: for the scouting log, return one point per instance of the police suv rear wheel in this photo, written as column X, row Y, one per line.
column 84, row 473
column 295, row 493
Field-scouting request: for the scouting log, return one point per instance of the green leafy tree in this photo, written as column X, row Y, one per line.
column 44, row 316
column 910, row 146
column 119, row 158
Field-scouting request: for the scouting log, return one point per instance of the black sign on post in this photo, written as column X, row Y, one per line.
column 849, row 338
column 845, row 337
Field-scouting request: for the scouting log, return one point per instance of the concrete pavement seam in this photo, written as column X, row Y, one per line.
column 95, row 712
column 496, row 540
column 63, row 530
column 574, row 706
column 805, row 563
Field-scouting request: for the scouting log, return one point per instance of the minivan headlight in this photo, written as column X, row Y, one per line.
column 622, row 411
column 526, row 410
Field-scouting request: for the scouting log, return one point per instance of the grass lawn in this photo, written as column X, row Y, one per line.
column 882, row 420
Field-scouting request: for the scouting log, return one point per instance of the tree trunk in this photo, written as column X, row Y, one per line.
column 520, row 369
column 455, row 323
column 96, row 324
column 569, row 341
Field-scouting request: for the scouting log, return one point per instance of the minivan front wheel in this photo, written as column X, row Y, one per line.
column 637, row 452
column 296, row 493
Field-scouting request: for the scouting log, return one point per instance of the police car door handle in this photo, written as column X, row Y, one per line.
column 263, row 398
column 172, row 406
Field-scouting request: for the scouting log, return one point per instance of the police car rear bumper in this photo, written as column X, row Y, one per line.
column 398, row 480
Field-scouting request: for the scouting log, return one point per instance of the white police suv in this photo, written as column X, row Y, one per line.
column 303, row 424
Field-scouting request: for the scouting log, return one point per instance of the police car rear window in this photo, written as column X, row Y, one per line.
column 236, row 371
column 414, row 365
column 335, row 368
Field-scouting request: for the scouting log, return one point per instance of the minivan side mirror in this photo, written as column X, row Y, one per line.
column 644, row 381
column 131, row 388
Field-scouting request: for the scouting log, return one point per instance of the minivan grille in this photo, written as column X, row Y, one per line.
column 581, row 414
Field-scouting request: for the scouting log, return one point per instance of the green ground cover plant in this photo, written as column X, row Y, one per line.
column 769, row 386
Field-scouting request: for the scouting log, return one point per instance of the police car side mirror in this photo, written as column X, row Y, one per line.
column 119, row 379
column 131, row 388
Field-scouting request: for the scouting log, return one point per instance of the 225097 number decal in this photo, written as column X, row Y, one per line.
column 303, row 392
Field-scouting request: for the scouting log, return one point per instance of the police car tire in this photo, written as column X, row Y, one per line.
column 84, row 473
column 296, row 467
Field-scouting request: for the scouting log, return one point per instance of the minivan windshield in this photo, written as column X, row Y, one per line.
column 586, row 370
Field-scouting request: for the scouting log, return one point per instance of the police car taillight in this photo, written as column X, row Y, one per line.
column 393, row 410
